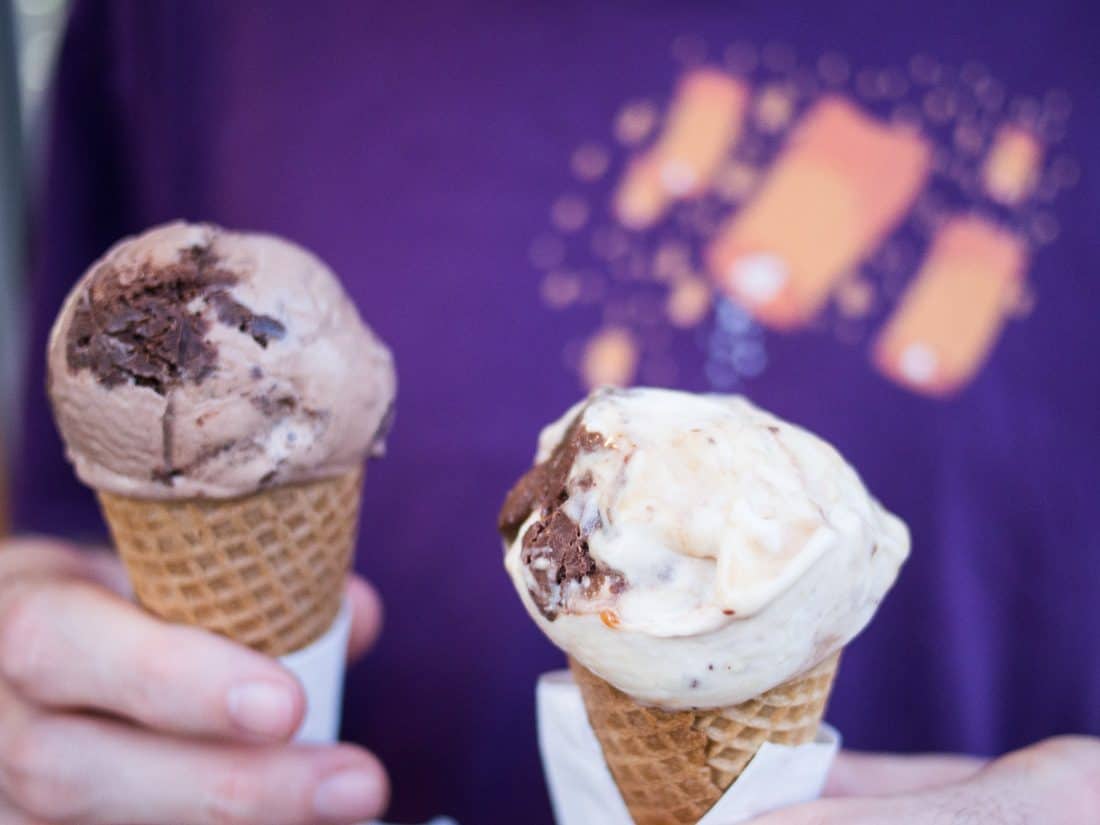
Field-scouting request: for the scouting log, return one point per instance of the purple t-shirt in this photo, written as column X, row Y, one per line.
column 874, row 221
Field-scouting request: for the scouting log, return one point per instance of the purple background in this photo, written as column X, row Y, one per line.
column 416, row 148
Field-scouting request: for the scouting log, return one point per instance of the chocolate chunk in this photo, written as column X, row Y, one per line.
column 555, row 548
column 167, row 477
column 168, row 473
column 544, row 484
column 145, row 328
column 275, row 407
column 568, row 549
column 261, row 328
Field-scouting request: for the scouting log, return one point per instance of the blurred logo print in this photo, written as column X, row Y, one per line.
column 896, row 209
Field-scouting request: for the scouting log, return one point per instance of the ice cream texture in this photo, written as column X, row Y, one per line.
column 191, row 361
column 695, row 550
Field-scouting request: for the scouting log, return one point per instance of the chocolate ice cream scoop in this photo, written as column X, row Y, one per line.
column 191, row 361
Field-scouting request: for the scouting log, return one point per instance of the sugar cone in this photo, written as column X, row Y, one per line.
column 672, row 766
column 266, row 569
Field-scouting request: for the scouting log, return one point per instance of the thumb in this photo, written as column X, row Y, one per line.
column 881, row 774
column 846, row 812
column 946, row 804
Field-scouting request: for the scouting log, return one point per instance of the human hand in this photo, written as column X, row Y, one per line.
column 109, row 716
column 1056, row 782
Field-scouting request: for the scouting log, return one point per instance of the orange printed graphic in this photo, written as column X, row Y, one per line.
column 1011, row 169
column 842, row 182
column 895, row 209
column 950, row 316
column 703, row 123
column 688, row 302
column 610, row 358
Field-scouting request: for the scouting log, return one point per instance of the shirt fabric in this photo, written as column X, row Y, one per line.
column 457, row 165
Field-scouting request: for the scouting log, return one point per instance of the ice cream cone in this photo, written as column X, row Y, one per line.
column 672, row 766
column 697, row 553
column 265, row 569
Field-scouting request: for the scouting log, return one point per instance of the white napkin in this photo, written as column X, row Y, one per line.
column 583, row 792
column 320, row 669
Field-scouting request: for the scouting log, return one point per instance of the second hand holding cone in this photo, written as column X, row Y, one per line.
column 221, row 393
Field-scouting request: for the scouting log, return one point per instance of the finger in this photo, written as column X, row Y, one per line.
column 72, row 644
column 13, row 713
column 366, row 616
column 1064, row 768
column 1024, row 787
column 105, row 568
column 98, row 772
column 30, row 557
column 942, row 805
column 833, row 812
column 876, row 774
column 34, row 557
column 10, row 815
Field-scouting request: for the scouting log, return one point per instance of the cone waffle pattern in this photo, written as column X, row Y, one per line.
column 266, row 569
column 671, row 767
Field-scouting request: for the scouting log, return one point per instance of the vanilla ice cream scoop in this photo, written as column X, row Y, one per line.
column 191, row 361
column 694, row 550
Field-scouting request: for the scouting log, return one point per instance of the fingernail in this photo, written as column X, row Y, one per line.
column 262, row 708
column 347, row 796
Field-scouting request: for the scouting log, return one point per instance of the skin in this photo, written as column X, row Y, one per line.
column 1056, row 782
column 111, row 717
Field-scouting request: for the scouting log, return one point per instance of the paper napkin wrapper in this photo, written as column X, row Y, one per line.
column 582, row 790
column 320, row 668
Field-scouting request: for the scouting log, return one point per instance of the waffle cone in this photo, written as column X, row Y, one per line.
column 266, row 569
column 672, row 766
